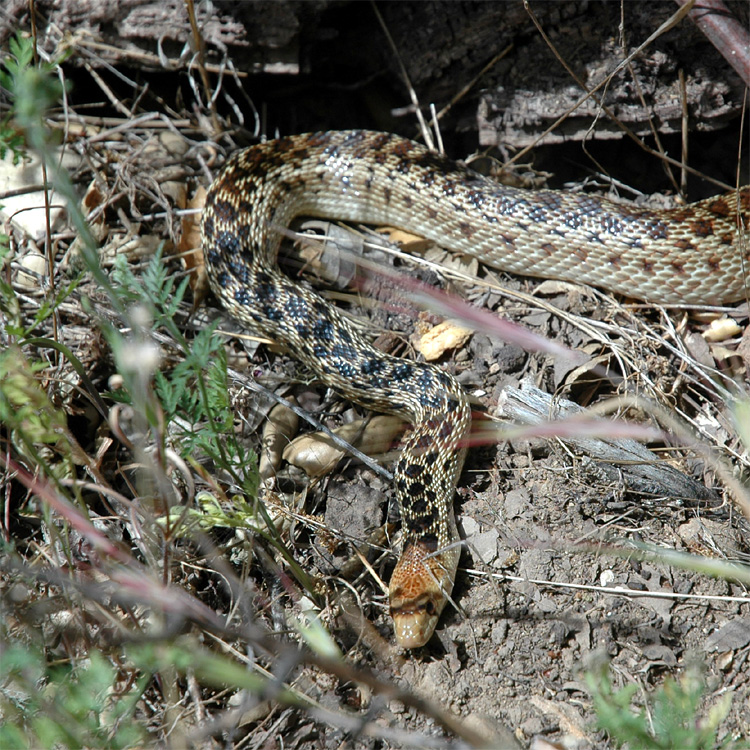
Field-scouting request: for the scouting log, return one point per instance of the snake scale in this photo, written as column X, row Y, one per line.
column 692, row 254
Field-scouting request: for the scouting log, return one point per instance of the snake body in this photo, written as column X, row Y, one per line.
column 692, row 254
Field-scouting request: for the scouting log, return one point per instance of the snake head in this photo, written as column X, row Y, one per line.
column 419, row 588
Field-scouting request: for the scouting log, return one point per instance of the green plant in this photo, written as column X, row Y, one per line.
column 192, row 395
column 12, row 75
column 24, row 406
column 88, row 704
column 669, row 718
column 85, row 697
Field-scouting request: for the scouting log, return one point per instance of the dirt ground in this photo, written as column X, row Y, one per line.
column 561, row 572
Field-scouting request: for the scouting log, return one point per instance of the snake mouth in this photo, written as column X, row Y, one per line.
column 414, row 620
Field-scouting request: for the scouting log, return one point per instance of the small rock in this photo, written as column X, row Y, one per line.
column 606, row 577
column 174, row 143
column 470, row 526
column 499, row 632
column 730, row 636
column 547, row 605
column 484, row 545
column 517, row 502
column 36, row 263
column 656, row 652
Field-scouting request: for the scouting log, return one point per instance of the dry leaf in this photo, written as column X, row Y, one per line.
column 278, row 430
column 722, row 329
column 316, row 454
column 443, row 337
column 411, row 243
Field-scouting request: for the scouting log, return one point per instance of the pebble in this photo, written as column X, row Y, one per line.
column 37, row 264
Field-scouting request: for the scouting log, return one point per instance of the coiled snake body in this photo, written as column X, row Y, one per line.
column 693, row 254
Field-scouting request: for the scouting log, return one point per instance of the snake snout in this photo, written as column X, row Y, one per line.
column 414, row 621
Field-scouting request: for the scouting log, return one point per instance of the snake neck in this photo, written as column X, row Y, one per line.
column 426, row 475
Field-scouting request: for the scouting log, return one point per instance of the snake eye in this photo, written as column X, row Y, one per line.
column 430, row 607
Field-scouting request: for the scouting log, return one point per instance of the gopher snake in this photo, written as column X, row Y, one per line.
column 686, row 255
